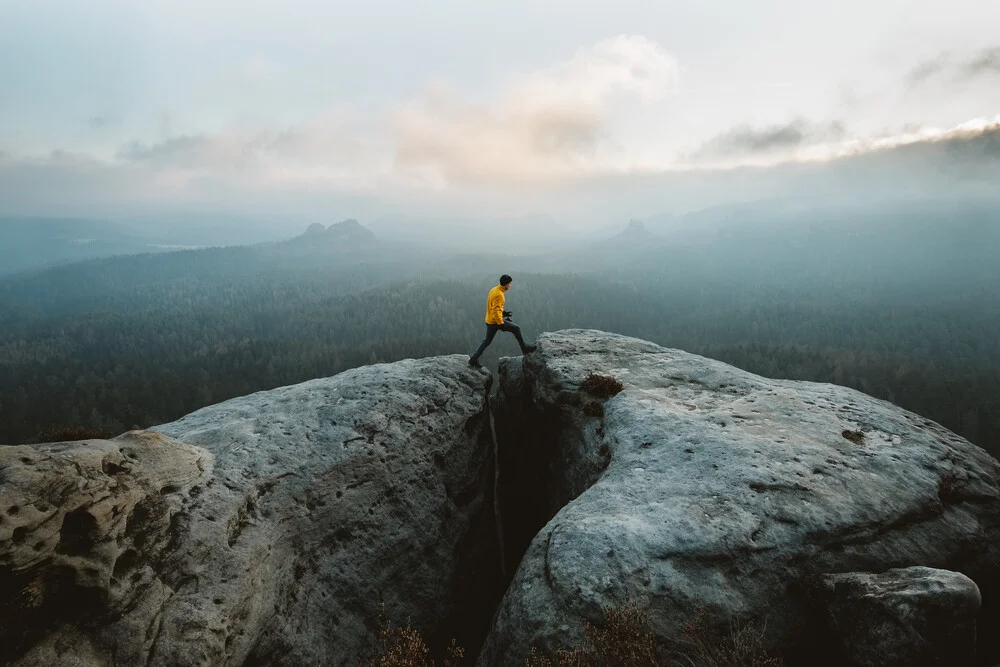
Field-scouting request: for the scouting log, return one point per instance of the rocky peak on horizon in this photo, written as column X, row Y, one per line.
column 635, row 235
column 350, row 233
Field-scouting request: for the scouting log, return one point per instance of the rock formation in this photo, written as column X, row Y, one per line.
column 345, row 236
column 701, row 486
column 270, row 529
column 263, row 530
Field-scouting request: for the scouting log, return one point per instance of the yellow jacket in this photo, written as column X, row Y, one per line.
column 494, row 305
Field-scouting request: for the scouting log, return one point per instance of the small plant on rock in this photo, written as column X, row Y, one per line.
column 400, row 647
column 404, row 647
column 604, row 386
column 701, row 645
column 593, row 409
column 623, row 640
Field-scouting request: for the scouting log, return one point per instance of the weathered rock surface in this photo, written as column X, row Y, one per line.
column 84, row 528
column 703, row 486
column 908, row 617
column 268, row 529
column 263, row 530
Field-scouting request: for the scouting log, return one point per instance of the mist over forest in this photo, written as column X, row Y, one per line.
column 897, row 297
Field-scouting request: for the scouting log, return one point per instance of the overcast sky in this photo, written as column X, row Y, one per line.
column 454, row 107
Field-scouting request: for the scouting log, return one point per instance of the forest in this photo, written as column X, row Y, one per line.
column 106, row 345
column 165, row 351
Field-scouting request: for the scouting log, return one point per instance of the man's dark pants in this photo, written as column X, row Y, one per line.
column 491, row 332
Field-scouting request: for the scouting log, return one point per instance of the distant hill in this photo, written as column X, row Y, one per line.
column 919, row 245
column 915, row 247
column 345, row 252
column 635, row 235
column 28, row 243
column 345, row 236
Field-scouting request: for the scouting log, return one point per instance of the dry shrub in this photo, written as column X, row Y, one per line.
column 400, row 647
column 624, row 640
column 857, row 437
column 404, row 647
column 604, row 386
column 701, row 646
column 563, row 659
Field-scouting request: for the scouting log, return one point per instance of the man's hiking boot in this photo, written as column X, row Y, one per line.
column 529, row 348
column 474, row 362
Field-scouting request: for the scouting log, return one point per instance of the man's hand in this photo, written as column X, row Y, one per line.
column 507, row 314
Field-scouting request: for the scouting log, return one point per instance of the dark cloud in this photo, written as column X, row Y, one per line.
column 180, row 151
column 317, row 143
column 744, row 140
column 101, row 122
column 985, row 62
column 928, row 69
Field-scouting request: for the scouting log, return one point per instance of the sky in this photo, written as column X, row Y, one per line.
column 520, row 107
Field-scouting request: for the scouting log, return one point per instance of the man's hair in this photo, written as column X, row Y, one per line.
column 505, row 279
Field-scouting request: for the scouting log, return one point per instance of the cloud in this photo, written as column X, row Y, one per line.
column 545, row 125
column 101, row 122
column 550, row 130
column 315, row 142
column 182, row 151
column 773, row 140
column 928, row 69
column 985, row 62
column 548, row 125
column 952, row 144
column 329, row 149
column 941, row 162
column 802, row 142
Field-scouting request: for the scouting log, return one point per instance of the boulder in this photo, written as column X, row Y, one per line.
column 703, row 491
column 907, row 617
column 268, row 529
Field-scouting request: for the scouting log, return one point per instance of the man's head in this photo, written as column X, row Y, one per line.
column 505, row 281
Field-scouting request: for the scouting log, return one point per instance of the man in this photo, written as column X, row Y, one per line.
column 497, row 319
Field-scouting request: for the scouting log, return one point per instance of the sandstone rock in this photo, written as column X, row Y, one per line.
column 703, row 486
column 908, row 617
column 86, row 528
column 263, row 530
column 268, row 529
